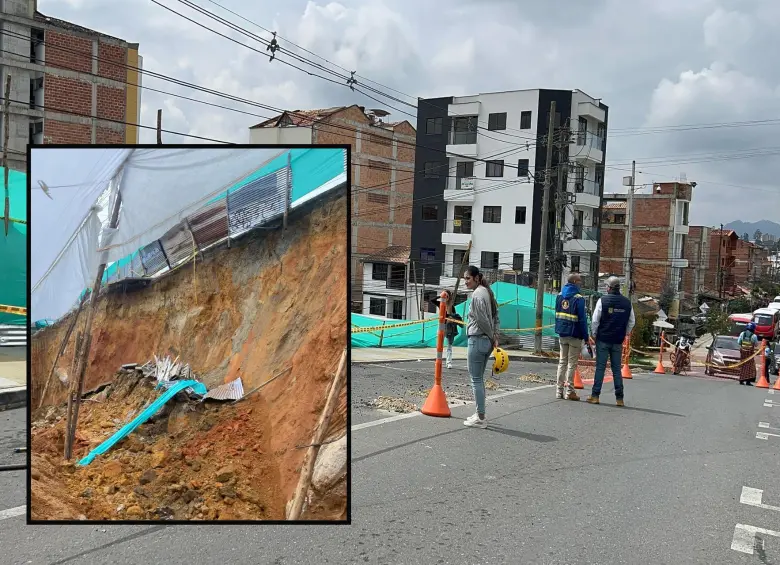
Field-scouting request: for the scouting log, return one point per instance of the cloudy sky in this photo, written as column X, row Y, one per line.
column 707, row 65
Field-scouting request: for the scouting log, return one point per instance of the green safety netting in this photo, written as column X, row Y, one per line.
column 517, row 311
column 13, row 249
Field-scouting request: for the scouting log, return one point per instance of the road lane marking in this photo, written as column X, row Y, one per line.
column 13, row 512
column 753, row 497
column 373, row 423
column 744, row 539
column 766, row 426
column 765, row 435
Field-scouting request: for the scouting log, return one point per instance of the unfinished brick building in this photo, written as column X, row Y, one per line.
column 382, row 173
column 69, row 84
column 658, row 241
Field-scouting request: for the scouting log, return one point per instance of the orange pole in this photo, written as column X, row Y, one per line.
column 626, row 370
column 659, row 369
column 436, row 403
column 762, row 382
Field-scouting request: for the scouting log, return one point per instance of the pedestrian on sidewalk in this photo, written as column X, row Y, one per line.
column 613, row 319
column 482, row 332
column 747, row 347
column 451, row 328
column 571, row 325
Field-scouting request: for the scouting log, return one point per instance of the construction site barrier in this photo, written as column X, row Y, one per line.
column 436, row 403
column 759, row 351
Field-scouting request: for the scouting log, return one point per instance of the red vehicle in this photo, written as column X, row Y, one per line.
column 767, row 322
column 738, row 322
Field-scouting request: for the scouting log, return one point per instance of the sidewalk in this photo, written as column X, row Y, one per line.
column 13, row 378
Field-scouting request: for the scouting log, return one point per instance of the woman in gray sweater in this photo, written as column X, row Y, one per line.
column 483, row 326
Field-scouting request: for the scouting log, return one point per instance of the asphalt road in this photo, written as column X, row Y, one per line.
column 549, row 482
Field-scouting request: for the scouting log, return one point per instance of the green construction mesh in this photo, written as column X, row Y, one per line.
column 13, row 249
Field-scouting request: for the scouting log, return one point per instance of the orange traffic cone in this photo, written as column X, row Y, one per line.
column 762, row 382
column 777, row 384
column 578, row 379
column 659, row 369
column 436, row 403
column 625, row 371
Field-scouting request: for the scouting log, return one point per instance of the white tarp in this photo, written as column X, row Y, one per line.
column 160, row 187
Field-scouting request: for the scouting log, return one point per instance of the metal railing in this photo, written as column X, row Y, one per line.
column 590, row 140
column 589, row 233
column 462, row 137
column 587, row 187
column 462, row 183
column 458, row 225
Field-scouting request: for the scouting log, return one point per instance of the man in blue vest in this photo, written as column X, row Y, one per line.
column 613, row 319
column 571, row 325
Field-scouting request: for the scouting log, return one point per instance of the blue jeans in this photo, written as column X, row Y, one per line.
column 613, row 351
column 479, row 350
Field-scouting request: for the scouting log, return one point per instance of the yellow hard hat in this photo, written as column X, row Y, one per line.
column 502, row 361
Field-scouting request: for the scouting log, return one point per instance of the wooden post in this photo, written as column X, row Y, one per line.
column 416, row 291
column 159, row 126
column 423, row 306
column 6, row 134
column 75, row 396
column 382, row 334
column 63, row 345
column 307, row 469
column 288, row 191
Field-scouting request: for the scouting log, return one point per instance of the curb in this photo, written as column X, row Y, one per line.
column 11, row 398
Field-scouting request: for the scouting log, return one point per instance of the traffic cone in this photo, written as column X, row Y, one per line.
column 777, row 384
column 436, row 403
column 625, row 371
column 762, row 382
column 577, row 379
column 659, row 369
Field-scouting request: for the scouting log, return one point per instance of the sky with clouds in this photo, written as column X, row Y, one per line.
column 655, row 63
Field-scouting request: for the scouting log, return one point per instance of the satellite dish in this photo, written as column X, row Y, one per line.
column 379, row 112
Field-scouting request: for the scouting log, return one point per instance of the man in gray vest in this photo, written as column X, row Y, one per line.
column 613, row 319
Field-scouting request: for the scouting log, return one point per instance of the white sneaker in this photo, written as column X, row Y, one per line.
column 473, row 421
column 449, row 365
column 559, row 394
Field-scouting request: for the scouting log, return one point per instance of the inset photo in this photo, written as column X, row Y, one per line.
column 188, row 353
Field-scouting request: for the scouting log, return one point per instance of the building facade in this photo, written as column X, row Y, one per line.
column 479, row 182
column 720, row 276
column 697, row 252
column 382, row 173
column 69, row 84
column 658, row 237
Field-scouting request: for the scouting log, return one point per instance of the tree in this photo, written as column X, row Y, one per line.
column 717, row 322
column 666, row 297
column 757, row 235
column 745, row 236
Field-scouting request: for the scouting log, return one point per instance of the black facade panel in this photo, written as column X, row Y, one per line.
column 429, row 191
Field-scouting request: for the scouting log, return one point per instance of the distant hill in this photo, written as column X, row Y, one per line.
column 766, row 226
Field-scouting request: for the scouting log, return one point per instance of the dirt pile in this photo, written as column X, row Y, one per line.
column 255, row 310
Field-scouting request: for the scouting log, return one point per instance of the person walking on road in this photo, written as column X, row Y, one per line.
column 482, row 331
column 571, row 325
column 613, row 319
column 452, row 328
column 747, row 347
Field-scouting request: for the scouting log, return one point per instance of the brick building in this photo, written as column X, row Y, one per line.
column 697, row 252
column 382, row 173
column 69, row 84
column 720, row 276
column 658, row 240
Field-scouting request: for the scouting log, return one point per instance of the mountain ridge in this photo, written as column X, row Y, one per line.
column 766, row 226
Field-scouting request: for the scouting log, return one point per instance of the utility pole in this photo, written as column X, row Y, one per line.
column 560, row 207
column 6, row 132
column 628, row 258
column 159, row 126
column 720, row 270
column 545, row 223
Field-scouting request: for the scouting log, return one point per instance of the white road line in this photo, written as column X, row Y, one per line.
column 373, row 423
column 771, row 391
column 13, row 512
column 765, row 435
column 766, row 426
column 744, row 539
column 753, row 497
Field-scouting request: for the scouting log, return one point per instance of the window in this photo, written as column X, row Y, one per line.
column 427, row 255
column 433, row 126
column 458, row 256
column 497, row 121
column 432, row 170
column 522, row 167
column 379, row 272
column 398, row 310
column 374, row 198
column 620, row 219
column 494, row 168
column 517, row 261
column 489, row 260
column 395, row 277
column 575, row 264
column 520, row 214
column 430, row 213
column 525, row 120
column 461, row 219
column 465, row 169
column 464, row 130
column 377, row 306
column 491, row 215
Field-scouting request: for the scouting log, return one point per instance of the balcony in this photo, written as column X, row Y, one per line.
column 457, row 232
column 586, row 147
column 584, row 240
column 462, row 143
column 460, row 189
column 587, row 193
column 681, row 229
column 591, row 110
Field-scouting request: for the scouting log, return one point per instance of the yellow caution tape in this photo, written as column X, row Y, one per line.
column 13, row 310
column 713, row 365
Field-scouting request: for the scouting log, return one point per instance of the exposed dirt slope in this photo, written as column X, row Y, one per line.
column 271, row 302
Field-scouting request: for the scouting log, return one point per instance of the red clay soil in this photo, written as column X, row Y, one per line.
column 275, row 302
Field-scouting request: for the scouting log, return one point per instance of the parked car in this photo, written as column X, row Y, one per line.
column 773, row 361
column 722, row 355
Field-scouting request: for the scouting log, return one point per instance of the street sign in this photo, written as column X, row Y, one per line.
column 662, row 316
column 704, row 308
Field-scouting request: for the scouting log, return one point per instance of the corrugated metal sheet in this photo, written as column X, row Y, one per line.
column 257, row 202
column 153, row 258
column 178, row 244
column 13, row 336
column 234, row 390
column 210, row 224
